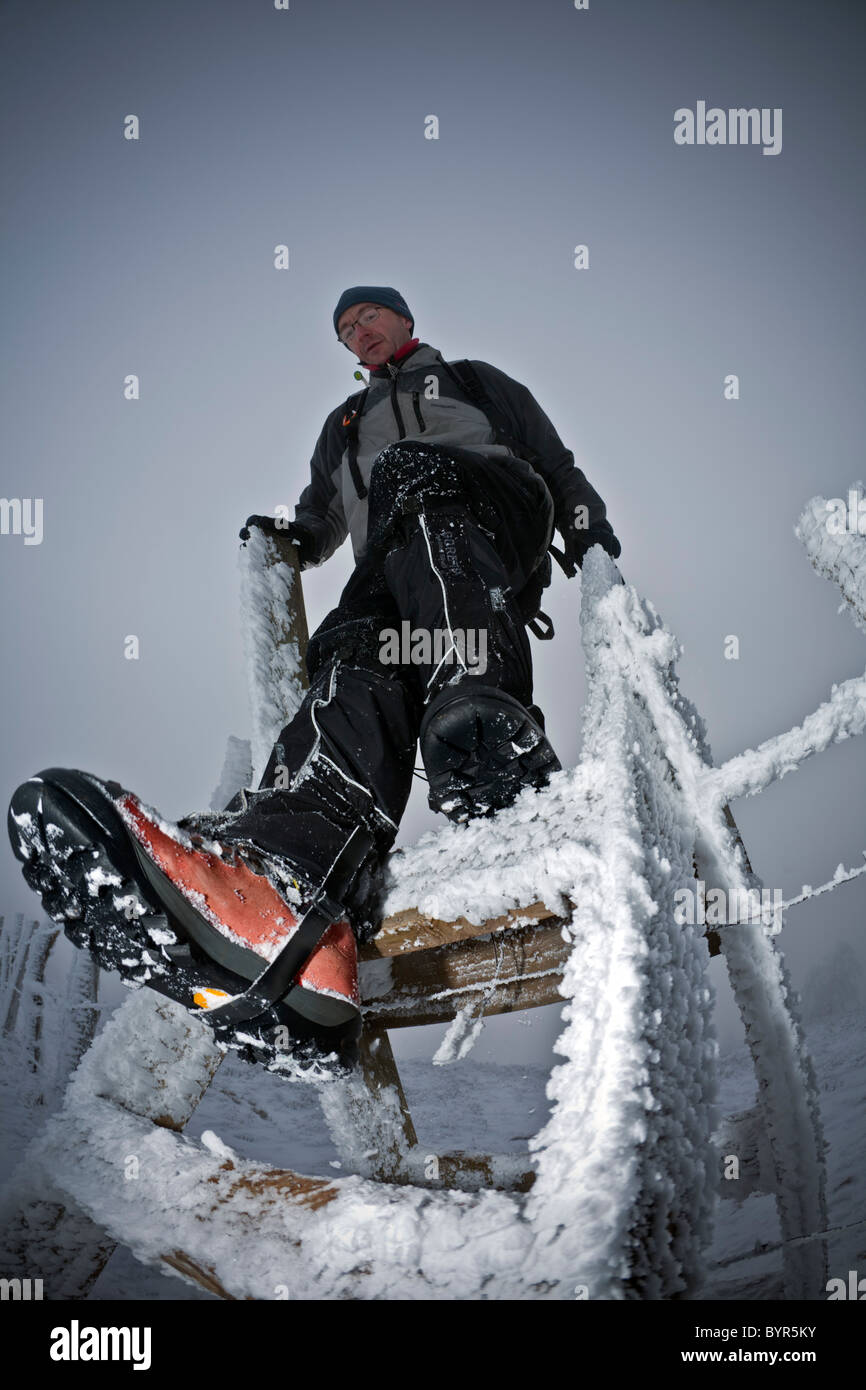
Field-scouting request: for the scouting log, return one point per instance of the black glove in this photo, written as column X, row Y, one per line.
column 302, row 539
column 579, row 539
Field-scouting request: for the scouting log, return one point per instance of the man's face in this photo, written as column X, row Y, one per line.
column 375, row 342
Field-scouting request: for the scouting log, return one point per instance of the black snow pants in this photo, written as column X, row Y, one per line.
column 453, row 539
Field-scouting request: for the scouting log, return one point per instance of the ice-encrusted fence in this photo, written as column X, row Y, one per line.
column 626, row 1170
column 46, row 1026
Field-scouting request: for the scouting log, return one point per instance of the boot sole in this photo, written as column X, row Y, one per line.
column 480, row 749
column 94, row 879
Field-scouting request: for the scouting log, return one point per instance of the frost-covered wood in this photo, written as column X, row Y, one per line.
column 46, row 1029
column 408, row 930
column 837, row 552
column 515, row 968
column 626, row 1171
column 46, row 1025
column 275, row 637
column 635, row 1099
column 25, row 951
column 842, row 716
column 787, row 1092
column 247, row 1230
column 153, row 1061
column 787, row 1089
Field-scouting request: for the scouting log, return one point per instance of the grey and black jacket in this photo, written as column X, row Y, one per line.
column 416, row 398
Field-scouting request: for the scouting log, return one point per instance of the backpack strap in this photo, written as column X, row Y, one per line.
column 542, row 626
column 352, row 412
column 466, row 377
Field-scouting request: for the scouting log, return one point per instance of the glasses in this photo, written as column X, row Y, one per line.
column 368, row 316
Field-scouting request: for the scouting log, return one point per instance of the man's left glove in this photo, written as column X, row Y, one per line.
column 303, row 540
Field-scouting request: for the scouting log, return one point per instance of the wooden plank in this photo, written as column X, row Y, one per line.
column 465, row 1171
column 469, row 1172
column 516, row 969
column 409, row 930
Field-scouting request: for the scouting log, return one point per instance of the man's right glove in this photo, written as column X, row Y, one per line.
column 578, row 540
column 303, row 540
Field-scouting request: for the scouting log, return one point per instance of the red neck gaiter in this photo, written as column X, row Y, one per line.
column 395, row 356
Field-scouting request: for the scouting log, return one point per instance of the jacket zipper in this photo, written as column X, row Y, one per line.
column 418, row 416
column 395, row 406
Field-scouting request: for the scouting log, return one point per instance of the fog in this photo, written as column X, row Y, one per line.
column 306, row 128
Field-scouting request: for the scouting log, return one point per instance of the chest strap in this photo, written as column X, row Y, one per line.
column 352, row 412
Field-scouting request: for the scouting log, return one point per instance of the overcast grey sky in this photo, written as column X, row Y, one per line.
column 307, row 127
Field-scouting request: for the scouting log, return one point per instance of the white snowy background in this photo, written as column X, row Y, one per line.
column 306, row 127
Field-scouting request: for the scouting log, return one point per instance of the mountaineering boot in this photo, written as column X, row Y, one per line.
column 214, row 926
column 480, row 748
column 481, row 738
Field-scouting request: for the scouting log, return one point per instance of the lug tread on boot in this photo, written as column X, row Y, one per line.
column 480, row 748
column 76, row 855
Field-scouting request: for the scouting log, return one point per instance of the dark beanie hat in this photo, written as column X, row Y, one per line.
column 372, row 294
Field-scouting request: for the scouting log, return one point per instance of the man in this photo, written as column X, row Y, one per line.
column 449, row 479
